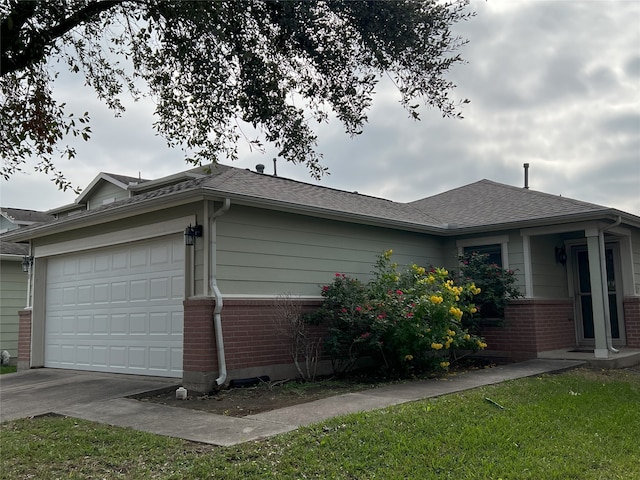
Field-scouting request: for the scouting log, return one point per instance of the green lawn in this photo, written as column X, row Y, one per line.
column 8, row 369
column 579, row 425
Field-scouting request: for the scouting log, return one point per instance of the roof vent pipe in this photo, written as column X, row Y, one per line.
column 526, row 176
column 275, row 171
column 260, row 168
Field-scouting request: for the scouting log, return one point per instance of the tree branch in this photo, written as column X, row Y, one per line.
column 14, row 56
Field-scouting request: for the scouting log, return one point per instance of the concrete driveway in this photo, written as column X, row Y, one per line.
column 45, row 390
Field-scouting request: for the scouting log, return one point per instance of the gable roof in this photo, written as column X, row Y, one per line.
column 293, row 195
column 20, row 216
column 10, row 248
column 479, row 207
column 120, row 181
column 486, row 203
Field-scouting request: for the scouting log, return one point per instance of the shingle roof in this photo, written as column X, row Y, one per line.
column 21, row 216
column 482, row 205
column 126, row 179
column 10, row 248
column 304, row 195
column 490, row 203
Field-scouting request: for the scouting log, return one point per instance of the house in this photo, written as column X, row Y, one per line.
column 179, row 276
column 13, row 218
column 13, row 282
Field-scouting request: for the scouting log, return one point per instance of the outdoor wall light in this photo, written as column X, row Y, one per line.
column 27, row 261
column 191, row 233
column 561, row 256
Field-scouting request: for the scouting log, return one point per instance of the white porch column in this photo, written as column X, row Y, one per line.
column 597, row 296
column 528, row 277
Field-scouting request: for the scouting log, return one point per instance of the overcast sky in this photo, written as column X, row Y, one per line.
column 555, row 84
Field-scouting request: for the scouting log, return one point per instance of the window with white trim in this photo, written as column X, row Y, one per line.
column 493, row 252
column 494, row 247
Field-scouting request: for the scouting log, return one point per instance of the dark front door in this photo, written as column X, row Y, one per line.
column 583, row 296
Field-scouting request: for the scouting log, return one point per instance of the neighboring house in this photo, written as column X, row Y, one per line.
column 116, row 289
column 13, row 218
column 13, row 281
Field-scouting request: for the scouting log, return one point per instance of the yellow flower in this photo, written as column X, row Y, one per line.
column 467, row 337
column 473, row 310
column 435, row 299
column 451, row 333
column 436, row 346
column 448, row 342
column 418, row 270
column 408, row 358
column 431, row 279
column 482, row 344
column 456, row 312
column 444, row 364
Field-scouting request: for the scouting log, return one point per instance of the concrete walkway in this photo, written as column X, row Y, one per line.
column 221, row 430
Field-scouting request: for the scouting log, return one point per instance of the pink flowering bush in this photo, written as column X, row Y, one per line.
column 409, row 320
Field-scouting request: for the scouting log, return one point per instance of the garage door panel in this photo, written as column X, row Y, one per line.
column 69, row 298
column 85, row 266
column 99, row 356
column 177, row 323
column 83, row 355
column 117, row 309
column 85, row 295
column 85, row 322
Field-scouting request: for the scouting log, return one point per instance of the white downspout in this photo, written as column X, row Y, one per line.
column 605, row 289
column 217, row 321
column 30, row 279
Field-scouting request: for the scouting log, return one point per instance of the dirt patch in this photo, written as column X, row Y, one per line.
column 264, row 396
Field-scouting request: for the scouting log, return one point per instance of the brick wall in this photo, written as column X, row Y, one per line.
column 252, row 336
column 632, row 321
column 24, row 339
column 199, row 342
column 255, row 346
column 253, row 343
column 531, row 326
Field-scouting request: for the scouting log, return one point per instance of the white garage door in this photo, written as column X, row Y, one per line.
column 117, row 309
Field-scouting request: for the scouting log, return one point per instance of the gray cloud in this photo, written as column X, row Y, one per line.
column 552, row 83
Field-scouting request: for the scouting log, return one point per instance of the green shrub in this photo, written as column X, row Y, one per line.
column 497, row 285
column 409, row 320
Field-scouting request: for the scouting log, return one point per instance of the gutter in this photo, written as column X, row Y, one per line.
column 605, row 288
column 217, row 320
column 90, row 218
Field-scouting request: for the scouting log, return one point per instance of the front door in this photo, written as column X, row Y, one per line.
column 584, row 306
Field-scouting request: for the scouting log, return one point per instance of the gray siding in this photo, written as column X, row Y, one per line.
column 118, row 225
column 105, row 191
column 515, row 248
column 269, row 253
column 549, row 277
column 13, row 297
column 6, row 225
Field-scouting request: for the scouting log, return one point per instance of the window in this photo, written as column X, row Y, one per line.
column 494, row 251
column 495, row 247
